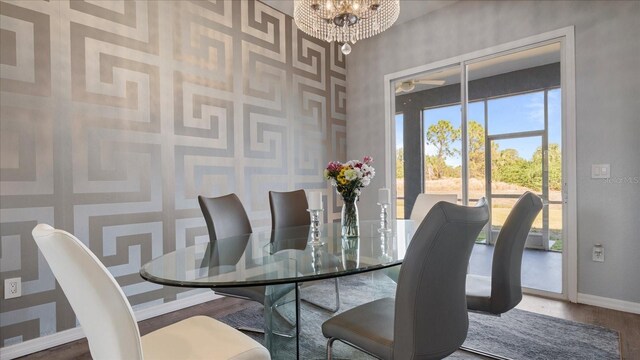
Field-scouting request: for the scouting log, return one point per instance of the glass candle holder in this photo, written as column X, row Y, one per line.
column 384, row 218
column 314, row 231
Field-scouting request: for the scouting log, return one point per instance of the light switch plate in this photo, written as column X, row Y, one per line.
column 600, row 171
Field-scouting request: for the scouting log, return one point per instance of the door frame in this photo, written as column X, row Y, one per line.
column 566, row 37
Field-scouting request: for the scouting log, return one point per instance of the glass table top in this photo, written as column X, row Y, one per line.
column 281, row 256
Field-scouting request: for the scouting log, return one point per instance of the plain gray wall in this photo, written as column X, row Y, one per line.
column 607, row 42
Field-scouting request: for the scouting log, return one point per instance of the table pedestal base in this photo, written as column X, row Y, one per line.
column 281, row 322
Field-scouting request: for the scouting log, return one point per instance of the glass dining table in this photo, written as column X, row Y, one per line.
column 280, row 260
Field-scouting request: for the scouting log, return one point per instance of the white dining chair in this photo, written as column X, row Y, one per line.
column 424, row 203
column 108, row 320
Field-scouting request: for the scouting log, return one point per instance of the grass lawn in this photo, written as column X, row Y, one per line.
column 500, row 207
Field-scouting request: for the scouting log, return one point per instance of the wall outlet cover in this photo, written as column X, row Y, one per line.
column 598, row 253
column 12, row 288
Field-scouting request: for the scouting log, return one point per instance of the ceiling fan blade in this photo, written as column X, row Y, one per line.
column 430, row 82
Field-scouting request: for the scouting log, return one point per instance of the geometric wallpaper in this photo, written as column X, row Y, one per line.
column 116, row 115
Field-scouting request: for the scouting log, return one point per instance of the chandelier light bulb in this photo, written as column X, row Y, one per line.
column 329, row 5
column 346, row 49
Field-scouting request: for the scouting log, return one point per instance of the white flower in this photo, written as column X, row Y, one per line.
column 366, row 181
column 326, row 174
column 350, row 174
column 371, row 171
column 333, row 182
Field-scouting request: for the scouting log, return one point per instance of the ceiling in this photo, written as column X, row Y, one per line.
column 409, row 9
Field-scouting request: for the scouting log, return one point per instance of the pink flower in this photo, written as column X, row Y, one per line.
column 367, row 160
column 334, row 166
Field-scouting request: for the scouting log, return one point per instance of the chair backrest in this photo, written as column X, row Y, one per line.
column 98, row 301
column 288, row 209
column 225, row 216
column 506, row 290
column 431, row 319
column 424, row 203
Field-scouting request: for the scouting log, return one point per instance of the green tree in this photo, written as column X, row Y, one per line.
column 400, row 163
column 555, row 165
column 441, row 135
column 476, row 149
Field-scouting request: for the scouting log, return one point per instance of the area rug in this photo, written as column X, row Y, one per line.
column 518, row 334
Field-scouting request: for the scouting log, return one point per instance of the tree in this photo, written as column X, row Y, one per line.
column 554, row 156
column 400, row 163
column 441, row 135
column 476, row 149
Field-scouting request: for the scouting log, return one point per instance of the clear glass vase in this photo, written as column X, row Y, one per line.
column 349, row 220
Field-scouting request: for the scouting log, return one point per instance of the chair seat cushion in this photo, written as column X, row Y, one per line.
column 201, row 337
column 478, row 293
column 368, row 326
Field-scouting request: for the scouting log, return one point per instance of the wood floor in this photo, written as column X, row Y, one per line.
column 627, row 324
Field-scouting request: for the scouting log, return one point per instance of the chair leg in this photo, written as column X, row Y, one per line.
column 333, row 309
column 250, row 329
column 329, row 344
column 483, row 353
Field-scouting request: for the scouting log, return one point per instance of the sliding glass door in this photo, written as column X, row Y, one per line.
column 498, row 135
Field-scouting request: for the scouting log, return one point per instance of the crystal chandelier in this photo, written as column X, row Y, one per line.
column 345, row 21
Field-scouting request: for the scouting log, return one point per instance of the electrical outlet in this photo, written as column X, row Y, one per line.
column 12, row 288
column 598, row 253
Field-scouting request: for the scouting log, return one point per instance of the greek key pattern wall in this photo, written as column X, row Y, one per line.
column 116, row 115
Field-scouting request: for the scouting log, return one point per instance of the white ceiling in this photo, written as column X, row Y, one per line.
column 409, row 9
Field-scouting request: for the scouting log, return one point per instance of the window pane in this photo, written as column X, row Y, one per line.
column 442, row 148
column 555, row 169
column 516, row 113
column 516, row 165
column 399, row 166
column 476, row 134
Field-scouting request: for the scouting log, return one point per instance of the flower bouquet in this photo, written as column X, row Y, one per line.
column 349, row 178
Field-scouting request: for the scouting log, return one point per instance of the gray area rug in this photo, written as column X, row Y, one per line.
column 517, row 334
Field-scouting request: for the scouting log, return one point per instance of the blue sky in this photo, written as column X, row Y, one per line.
column 510, row 114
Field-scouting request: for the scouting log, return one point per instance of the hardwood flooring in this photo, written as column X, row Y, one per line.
column 627, row 324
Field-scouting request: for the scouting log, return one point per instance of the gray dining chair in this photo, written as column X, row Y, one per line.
column 109, row 323
column 226, row 217
column 289, row 209
column 502, row 291
column 424, row 203
column 428, row 318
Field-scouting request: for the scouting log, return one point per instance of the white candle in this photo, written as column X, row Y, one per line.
column 315, row 200
column 384, row 196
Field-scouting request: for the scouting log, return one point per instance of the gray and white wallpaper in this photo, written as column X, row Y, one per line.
column 115, row 115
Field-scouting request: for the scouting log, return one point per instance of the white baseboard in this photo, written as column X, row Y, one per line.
column 67, row 336
column 614, row 304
